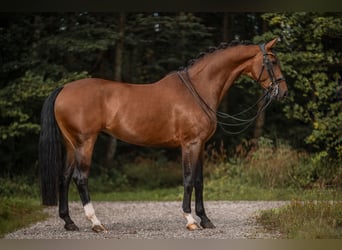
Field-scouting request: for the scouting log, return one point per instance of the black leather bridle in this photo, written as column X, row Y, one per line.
column 273, row 89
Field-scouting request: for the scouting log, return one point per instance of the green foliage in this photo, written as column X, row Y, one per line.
column 137, row 194
column 278, row 166
column 21, row 101
column 163, row 42
column 151, row 173
column 45, row 55
column 20, row 106
column 109, row 181
column 311, row 55
column 40, row 51
column 305, row 220
column 18, row 187
column 34, row 62
column 16, row 213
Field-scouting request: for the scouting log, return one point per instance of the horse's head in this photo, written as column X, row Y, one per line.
column 265, row 69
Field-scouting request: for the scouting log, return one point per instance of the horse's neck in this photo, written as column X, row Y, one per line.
column 213, row 76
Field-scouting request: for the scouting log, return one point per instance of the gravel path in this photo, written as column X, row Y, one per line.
column 154, row 220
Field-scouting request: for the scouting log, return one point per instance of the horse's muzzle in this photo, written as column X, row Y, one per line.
column 280, row 91
column 283, row 95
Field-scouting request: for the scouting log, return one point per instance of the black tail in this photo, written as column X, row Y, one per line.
column 51, row 151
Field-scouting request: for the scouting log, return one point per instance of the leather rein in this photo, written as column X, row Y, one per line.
column 271, row 91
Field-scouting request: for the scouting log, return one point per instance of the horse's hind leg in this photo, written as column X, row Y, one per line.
column 80, row 177
column 64, row 183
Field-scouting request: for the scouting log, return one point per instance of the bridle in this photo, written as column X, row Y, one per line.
column 270, row 92
column 273, row 88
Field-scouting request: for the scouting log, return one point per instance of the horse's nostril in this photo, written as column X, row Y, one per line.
column 282, row 95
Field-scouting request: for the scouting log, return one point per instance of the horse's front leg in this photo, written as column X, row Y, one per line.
column 200, row 211
column 192, row 160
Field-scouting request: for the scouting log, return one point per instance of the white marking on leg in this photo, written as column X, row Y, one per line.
column 189, row 219
column 90, row 214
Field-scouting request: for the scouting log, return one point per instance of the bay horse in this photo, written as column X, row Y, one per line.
column 177, row 111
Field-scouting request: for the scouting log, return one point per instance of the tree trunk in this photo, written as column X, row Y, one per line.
column 111, row 149
column 227, row 37
column 119, row 47
column 260, row 120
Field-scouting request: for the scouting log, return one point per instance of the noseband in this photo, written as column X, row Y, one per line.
column 273, row 89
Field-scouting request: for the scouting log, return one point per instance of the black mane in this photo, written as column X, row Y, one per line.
column 210, row 50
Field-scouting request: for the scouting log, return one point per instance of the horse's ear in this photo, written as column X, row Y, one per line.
column 270, row 44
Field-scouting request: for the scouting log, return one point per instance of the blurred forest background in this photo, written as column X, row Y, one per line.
column 295, row 143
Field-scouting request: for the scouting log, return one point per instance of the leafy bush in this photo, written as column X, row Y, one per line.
column 18, row 187
column 276, row 166
column 310, row 54
column 113, row 181
column 153, row 173
column 279, row 166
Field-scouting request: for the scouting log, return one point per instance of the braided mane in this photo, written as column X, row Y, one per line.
column 210, row 50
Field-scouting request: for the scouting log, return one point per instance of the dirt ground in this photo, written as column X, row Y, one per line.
column 154, row 220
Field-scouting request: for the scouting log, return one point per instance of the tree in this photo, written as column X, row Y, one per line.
column 119, row 49
column 162, row 42
column 38, row 53
column 311, row 54
column 41, row 51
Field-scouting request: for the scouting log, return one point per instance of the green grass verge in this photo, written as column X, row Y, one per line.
column 22, row 210
column 214, row 190
column 305, row 220
column 235, row 190
column 18, row 212
column 167, row 194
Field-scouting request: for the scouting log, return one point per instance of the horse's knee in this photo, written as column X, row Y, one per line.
column 188, row 187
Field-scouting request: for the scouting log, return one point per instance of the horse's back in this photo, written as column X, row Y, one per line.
column 87, row 106
column 155, row 114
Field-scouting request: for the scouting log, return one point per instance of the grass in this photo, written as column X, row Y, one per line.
column 166, row 194
column 214, row 190
column 235, row 190
column 271, row 172
column 16, row 213
column 20, row 212
column 305, row 220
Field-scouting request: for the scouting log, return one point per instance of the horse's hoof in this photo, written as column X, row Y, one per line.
column 99, row 228
column 71, row 227
column 207, row 224
column 193, row 226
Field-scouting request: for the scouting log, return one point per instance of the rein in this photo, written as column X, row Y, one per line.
column 187, row 82
column 271, row 91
